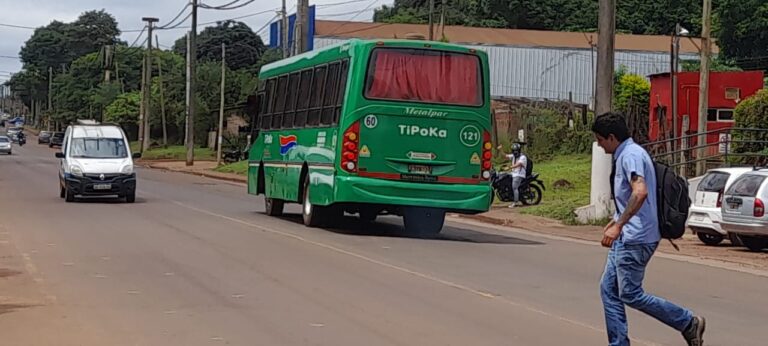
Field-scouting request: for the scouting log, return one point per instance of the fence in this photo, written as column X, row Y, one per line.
column 732, row 146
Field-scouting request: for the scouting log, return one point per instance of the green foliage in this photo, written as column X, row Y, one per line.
column 751, row 113
column 559, row 204
column 240, row 167
column 244, row 47
column 552, row 136
column 742, row 32
column 630, row 89
column 718, row 64
column 124, row 110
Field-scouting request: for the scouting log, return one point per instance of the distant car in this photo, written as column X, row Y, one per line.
column 705, row 215
column 57, row 139
column 6, row 147
column 744, row 209
column 44, row 137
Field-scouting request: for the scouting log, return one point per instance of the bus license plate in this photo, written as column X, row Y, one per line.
column 420, row 169
column 102, row 186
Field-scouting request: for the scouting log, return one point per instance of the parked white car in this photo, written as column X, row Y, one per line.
column 705, row 214
column 744, row 209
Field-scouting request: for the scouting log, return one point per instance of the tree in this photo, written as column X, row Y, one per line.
column 124, row 110
column 244, row 47
column 742, row 27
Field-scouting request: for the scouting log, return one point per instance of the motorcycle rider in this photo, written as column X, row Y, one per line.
column 22, row 138
column 519, row 166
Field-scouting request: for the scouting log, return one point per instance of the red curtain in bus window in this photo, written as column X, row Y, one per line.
column 426, row 77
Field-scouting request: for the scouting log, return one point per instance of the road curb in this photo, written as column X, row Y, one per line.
column 243, row 180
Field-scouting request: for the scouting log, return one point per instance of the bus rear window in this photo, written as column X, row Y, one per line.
column 421, row 75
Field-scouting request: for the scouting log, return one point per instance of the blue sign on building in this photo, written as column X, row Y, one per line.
column 275, row 37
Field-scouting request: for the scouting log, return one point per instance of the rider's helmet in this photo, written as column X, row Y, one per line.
column 516, row 149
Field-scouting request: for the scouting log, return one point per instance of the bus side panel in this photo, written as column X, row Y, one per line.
column 321, row 180
column 253, row 177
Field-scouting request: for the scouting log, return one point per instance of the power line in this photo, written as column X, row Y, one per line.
column 10, row 57
column 341, row 14
column 355, row 16
column 138, row 37
column 177, row 25
column 339, row 3
column 225, row 7
column 17, row 26
column 175, row 18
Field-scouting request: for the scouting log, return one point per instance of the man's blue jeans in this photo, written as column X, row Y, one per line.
column 622, row 284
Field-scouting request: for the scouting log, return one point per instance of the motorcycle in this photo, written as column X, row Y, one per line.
column 22, row 140
column 232, row 156
column 530, row 188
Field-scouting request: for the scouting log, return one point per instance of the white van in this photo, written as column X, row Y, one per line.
column 96, row 160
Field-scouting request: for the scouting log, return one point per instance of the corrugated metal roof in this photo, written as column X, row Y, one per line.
column 503, row 37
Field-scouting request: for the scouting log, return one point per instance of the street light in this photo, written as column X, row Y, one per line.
column 675, row 52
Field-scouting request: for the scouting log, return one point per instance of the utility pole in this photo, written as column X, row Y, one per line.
column 443, row 7
column 302, row 27
column 431, row 20
column 192, row 51
column 162, row 99
column 600, row 192
column 673, row 81
column 706, row 43
column 221, row 104
column 141, row 104
column 284, row 31
column 107, row 63
column 148, row 80
column 50, row 94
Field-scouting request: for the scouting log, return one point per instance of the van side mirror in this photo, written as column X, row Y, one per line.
column 59, row 155
column 136, row 155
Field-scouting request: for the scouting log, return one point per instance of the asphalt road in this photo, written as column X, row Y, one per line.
column 195, row 262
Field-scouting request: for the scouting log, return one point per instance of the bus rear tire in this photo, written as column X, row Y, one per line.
column 273, row 206
column 314, row 215
column 423, row 222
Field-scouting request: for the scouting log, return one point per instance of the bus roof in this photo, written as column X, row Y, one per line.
column 346, row 49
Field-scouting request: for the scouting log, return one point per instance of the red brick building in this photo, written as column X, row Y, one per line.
column 726, row 90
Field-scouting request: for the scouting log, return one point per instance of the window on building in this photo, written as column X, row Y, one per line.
column 715, row 114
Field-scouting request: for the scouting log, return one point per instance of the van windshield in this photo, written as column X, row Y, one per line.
column 98, row 148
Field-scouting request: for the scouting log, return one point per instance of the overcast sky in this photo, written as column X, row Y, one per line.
column 36, row 13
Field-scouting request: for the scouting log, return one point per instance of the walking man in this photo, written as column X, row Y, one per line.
column 633, row 236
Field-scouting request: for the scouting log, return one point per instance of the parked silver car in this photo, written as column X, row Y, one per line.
column 6, row 147
column 744, row 209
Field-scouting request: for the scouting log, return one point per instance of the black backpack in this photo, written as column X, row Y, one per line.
column 528, row 167
column 672, row 200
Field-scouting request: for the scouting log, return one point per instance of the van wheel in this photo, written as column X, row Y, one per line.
column 130, row 197
column 274, row 206
column 425, row 222
column 62, row 192
column 69, row 196
column 755, row 244
column 710, row 239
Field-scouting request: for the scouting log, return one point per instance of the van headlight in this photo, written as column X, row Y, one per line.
column 127, row 169
column 76, row 170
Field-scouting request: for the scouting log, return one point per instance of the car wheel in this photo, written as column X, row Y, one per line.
column 130, row 197
column 69, row 196
column 710, row 239
column 755, row 244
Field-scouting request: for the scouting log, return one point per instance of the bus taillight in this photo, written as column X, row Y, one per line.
column 487, row 155
column 349, row 147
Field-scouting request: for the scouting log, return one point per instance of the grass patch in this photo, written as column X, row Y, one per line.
column 560, row 203
column 173, row 152
column 240, row 167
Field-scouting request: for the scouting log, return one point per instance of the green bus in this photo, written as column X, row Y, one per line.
column 372, row 127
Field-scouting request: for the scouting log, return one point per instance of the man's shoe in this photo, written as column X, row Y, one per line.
column 694, row 334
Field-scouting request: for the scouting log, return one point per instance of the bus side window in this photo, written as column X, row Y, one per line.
column 331, row 88
column 290, row 105
column 303, row 102
column 343, row 75
column 266, row 115
column 318, row 83
column 280, row 96
column 254, row 109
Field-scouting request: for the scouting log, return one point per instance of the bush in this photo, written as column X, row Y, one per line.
column 751, row 113
column 552, row 136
